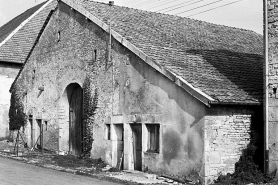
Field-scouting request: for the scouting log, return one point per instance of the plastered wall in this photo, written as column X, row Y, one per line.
column 8, row 71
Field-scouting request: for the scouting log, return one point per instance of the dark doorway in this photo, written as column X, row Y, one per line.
column 137, row 146
column 75, row 120
column 32, row 132
column 119, row 129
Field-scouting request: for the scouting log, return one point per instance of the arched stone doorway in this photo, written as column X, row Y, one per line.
column 71, row 125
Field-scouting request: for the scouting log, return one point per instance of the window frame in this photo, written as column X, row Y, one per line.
column 153, row 139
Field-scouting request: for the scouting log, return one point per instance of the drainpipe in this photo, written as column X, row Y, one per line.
column 111, row 3
column 266, row 149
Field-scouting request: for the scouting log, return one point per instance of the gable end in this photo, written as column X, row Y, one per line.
column 195, row 92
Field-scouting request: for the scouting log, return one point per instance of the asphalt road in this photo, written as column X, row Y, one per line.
column 13, row 172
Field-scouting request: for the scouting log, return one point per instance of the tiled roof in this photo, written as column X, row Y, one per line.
column 7, row 28
column 224, row 62
column 16, row 48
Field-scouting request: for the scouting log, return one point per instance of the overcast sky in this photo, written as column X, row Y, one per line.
column 246, row 14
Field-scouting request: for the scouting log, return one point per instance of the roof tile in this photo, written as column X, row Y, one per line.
column 224, row 62
column 19, row 45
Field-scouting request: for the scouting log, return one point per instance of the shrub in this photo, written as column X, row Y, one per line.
column 246, row 170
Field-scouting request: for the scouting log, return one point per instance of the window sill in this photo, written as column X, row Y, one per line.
column 152, row 152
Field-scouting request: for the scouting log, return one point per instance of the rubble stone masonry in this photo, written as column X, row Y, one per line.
column 273, row 83
column 228, row 131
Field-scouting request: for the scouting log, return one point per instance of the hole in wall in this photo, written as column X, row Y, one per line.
column 95, row 52
column 33, row 76
column 58, row 36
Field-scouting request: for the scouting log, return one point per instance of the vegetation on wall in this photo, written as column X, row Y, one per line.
column 246, row 170
column 17, row 115
column 90, row 107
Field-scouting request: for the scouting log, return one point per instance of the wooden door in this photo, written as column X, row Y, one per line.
column 75, row 130
column 119, row 128
column 32, row 142
column 137, row 146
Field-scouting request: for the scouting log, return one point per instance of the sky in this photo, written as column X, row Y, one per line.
column 246, row 14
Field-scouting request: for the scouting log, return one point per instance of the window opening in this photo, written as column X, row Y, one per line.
column 153, row 137
column 108, row 131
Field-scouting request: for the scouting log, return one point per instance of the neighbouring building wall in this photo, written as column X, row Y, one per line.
column 8, row 72
column 273, row 84
column 228, row 131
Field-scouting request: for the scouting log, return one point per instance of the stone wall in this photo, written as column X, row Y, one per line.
column 229, row 130
column 8, row 72
column 273, row 84
column 129, row 92
column 137, row 89
column 55, row 63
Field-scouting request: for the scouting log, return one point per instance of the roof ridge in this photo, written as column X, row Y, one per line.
column 24, row 23
column 177, row 16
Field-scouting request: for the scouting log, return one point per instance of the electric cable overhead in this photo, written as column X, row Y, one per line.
column 213, row 8
column 173, row 6
column 161, row 5
column 131, row 1
column 148, row 7
column 199, row 7
column 145, row 3
column 183, row 6
column 138, row 3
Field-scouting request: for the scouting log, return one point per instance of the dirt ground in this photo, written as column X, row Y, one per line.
column 95, row 168
column 27, row 174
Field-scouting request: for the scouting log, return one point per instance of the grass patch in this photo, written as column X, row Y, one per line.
column 71, row 161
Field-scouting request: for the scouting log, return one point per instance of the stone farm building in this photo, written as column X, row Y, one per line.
column 16, row 40
column 179, row 96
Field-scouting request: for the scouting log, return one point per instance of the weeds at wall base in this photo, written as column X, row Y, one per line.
column 246, row 171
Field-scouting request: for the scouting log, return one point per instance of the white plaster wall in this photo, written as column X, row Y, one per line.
column 5, row 84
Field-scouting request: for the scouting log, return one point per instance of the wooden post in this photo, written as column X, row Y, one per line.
column 16, row 143
column 42, row 136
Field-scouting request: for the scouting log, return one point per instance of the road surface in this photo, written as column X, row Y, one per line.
column 14, row 172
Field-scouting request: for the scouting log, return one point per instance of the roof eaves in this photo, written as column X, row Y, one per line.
column 195, row 92
column 7, row 61
column 23, row 23
column 235, row 103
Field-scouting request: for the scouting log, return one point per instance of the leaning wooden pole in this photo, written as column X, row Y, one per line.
column 266, row 149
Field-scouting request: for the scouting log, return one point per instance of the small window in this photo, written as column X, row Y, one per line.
column 153, row 137
column 45, row 125
column 108, row 131
column 58, row 36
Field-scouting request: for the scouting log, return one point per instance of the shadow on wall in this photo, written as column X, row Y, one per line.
column 257, row 137
column 171, row 145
